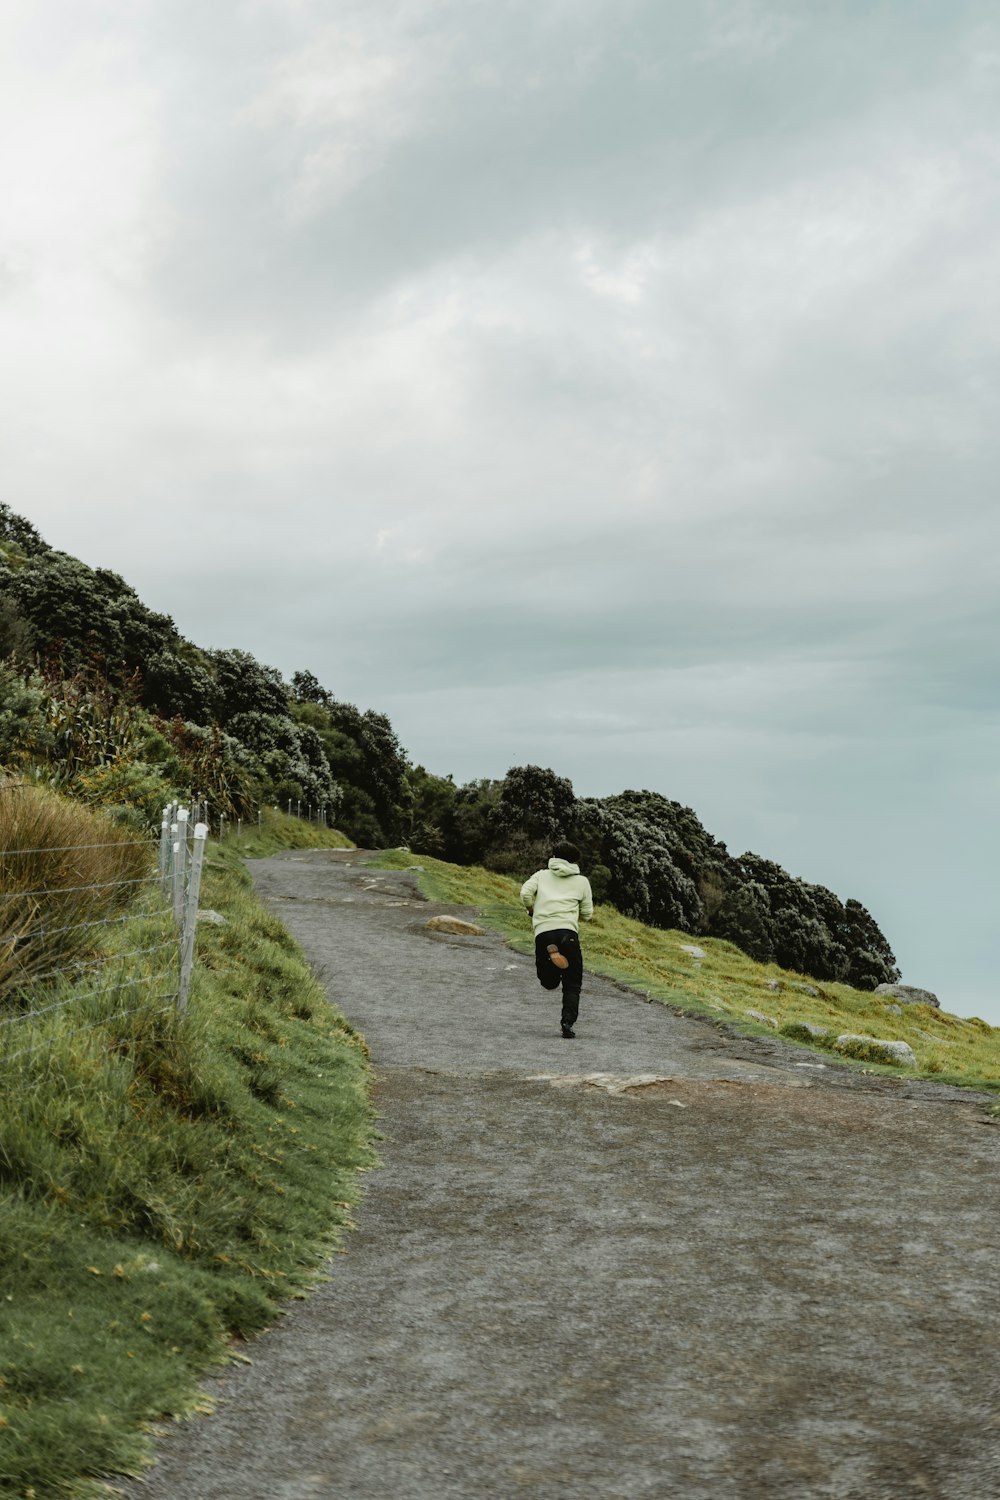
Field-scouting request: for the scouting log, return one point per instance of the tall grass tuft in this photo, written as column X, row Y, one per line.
column 64, row 871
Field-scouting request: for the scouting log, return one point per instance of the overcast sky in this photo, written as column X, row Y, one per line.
column 605, row 384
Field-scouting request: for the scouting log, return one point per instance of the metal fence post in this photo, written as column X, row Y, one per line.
column 191, row 917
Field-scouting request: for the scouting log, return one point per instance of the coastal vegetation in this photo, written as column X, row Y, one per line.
column 104, row 699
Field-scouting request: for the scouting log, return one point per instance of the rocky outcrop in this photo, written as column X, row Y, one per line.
column 877, row 1049
column 908, row 994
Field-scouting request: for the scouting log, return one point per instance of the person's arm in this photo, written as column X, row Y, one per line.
column 529, row 891
column 586, row 902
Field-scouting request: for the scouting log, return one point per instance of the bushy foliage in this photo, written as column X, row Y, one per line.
column 174, row 684
column 745, row 919
column 245, row 686
column 533, row 803
column 469, row 827
column 82, row 617
column 805, row 927
column 366, row 761
column 428, row 810
column 644, row 882
column 17, row 531
column 226, row 727
column 206, row 763
column 17, row 639
column 24, row 729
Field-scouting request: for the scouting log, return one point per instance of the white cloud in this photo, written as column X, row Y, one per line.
column 528, row 323
column 347, row 98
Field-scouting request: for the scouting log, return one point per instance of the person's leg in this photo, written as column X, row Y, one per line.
column 549, row 976
column 572, row 978
column 570, row 1008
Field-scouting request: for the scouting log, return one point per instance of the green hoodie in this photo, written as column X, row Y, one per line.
column 558, row 897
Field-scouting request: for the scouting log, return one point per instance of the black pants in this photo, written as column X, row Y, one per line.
column 551, row 977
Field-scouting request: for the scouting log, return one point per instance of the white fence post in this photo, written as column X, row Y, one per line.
column 180, row 864
column 165, row 850
column 191, row 917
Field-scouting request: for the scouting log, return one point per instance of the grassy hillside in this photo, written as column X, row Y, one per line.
column 726, row 984
column 164, row 1187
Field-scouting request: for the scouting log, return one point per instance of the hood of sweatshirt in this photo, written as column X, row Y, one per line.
column 563, row 867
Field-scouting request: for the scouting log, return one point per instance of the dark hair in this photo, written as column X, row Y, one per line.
column 568, row 852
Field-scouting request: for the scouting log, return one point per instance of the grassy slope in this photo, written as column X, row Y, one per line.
column 162, row 1194
column 726, row 983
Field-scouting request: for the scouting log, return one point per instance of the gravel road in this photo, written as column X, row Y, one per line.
column 707, row 1272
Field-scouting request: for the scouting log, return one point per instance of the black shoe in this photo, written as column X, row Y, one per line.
column 568, row 1032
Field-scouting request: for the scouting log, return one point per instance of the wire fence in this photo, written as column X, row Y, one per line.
column 78, row 954
column 224, row 824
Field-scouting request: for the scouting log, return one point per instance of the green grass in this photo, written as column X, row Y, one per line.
column 164, row 1186
column 726, row 983
column 280, row 832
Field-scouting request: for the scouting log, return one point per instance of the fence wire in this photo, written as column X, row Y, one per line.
column 62, row 978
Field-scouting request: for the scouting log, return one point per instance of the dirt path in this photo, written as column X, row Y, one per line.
column 750, row 1279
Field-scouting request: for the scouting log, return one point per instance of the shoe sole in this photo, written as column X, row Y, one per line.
column 557, row 958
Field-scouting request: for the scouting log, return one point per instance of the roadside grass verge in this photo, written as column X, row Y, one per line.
column 276, row 832
column 164, row 1186
column 726, row 984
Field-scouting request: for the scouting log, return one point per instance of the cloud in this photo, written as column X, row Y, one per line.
column 611, row 384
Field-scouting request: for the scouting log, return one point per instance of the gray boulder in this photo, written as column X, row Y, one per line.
column 759, row 1015
column 908, row 994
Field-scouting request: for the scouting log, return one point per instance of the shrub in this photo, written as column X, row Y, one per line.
column 863, row 1050
column 798, row 1031
column 745, row 919
column 24, row 730
column 533, row 803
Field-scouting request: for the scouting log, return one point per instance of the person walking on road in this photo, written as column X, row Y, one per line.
column 557, row 899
